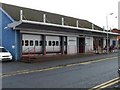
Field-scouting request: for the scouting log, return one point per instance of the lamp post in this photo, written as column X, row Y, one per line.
column 107, row 32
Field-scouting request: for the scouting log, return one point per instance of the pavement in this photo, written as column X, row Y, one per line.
column 52, row 61
column 60, row 57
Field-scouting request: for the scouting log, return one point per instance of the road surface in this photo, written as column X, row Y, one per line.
column 77, row 75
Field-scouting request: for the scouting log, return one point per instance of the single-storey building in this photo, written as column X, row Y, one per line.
column 24, row 30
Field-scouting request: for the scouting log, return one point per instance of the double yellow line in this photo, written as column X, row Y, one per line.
column 106, row 84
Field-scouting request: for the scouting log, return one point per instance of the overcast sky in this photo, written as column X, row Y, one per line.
column 94, row 11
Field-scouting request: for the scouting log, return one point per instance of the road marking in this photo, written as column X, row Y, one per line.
column 110, row 84
column 103, row 59
column 106, row 84
column 86, row 63
column 51, row 68
column 30, row 71
column 16, row 71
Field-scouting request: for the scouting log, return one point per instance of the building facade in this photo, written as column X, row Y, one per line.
column 24, row 30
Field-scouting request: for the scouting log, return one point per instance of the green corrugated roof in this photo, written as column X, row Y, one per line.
column 36, row 15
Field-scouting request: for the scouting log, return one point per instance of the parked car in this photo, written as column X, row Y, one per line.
column 5, row 55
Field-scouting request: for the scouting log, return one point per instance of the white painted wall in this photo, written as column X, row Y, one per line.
column 88, row 44
column 72, row 45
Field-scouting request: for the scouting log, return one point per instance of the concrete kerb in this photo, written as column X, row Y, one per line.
column 58, row 57
column 16, row 66
column 68, row 58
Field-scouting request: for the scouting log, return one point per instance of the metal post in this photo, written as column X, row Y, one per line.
column 107, row 34
column 78, row 45
column 28, row 54
column 44, row 18
column 77, row 23
column 44, row 44
column 21, row 14
column 92, row 26
column 62, row 21
column 62, row 45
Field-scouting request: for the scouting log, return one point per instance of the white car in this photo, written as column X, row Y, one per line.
column 5, row 54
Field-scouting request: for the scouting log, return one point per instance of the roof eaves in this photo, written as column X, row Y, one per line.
column 56, row 25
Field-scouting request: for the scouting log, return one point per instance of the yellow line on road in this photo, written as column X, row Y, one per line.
column 106, row 84
column 86, row 63
column 110, row 84
column 103, row 59
column 30, row 71
column 51, row 68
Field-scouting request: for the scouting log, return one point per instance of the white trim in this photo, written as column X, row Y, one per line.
column 71, row 27
column 48, row 33
column 7, row 14
column 14, row 24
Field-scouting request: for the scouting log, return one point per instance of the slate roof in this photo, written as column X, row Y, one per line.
column 36, row 15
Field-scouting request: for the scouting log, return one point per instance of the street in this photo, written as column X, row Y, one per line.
column 75, row 75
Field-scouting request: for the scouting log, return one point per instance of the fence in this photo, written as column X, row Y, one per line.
column 29, row 55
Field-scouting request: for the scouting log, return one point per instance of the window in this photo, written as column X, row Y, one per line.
column 3, row 50
column 31, row 42
column 65, row 43
column 50, row 43
column 57, row 43
column 113, row 42
column 45, row 43
column 40, row 43
column 60, row 43
column 53, row 42
column 26, row 42
column 22, row 42
column 36, row 42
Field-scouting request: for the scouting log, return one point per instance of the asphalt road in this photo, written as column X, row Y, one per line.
column 84, row 75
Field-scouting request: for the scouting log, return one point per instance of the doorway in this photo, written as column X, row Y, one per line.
column 81, row 45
